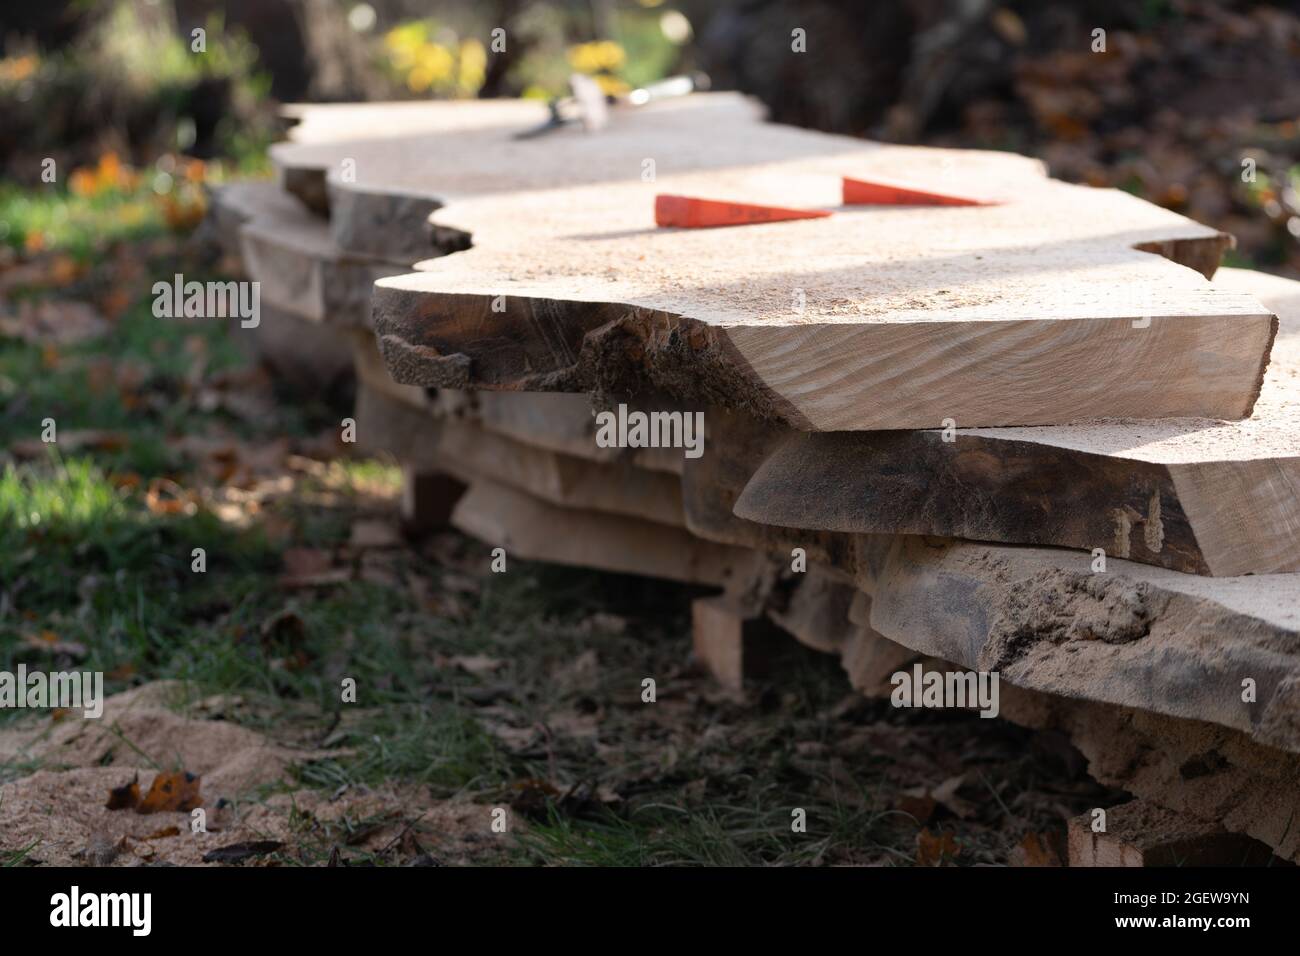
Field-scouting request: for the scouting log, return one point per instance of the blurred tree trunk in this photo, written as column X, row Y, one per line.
column 339, row 58
column 500, row 64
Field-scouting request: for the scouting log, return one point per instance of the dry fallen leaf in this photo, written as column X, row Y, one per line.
column 946, row 794
column 304, row 561
column 933, row 849
column 576, row 725
column 124, row 797
column 517, row 740
column 532, row 796
column 603, row 622
column 311, row 567
column 172, row 792
column 278, row 529
column 43, row 272
column 1037, row 849
column 49, row 643
column 125, row 481
column 101, row 375
column 102, row 849
column 283, row 639
column 165, row 497
column 460, row 583
column 432, row 601
column 114, row 302
column 382, row 568
column 479, row 665
column 323, row 579
column 917, row 804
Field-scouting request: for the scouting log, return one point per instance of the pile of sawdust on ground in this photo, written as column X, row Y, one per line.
column 59, row 810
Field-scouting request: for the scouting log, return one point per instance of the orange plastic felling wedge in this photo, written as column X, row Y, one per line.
column 687, row 212
column 884, row 192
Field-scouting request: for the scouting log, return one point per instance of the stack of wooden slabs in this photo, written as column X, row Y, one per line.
column 296, row 292
column 289, row 252
column 1043, row 315
column 1148, row 641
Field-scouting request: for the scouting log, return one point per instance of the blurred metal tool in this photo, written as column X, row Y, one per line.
column 589, row 105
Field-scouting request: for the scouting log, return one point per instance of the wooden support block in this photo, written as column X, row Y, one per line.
column 428, row 499
column 731, row 639
column 1145, row 834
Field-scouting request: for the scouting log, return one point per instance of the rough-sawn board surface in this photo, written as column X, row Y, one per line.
column 879, row 317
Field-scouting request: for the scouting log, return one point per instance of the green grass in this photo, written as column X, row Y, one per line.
column 73, row 224
column 153, row 202
column 89, row 563
column 713, row 835
column 78, row 395
column 17, row 857
column 421, row 728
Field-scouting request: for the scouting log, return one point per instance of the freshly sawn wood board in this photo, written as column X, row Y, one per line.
column 1041, row 310
column 1195, row 495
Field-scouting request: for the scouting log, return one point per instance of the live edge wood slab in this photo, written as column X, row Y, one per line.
column 1195, row 495
column 550, row 275
column 890, row 337
column 290, row 253
column 1041, row 310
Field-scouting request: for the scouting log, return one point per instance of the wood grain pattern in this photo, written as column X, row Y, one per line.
column 1195, row 495
column 1214, row 773
column 887, row 317
column 555, row 421
column 529, row 528
column 1202, row 353
column 290, row 253
column 1136, row 636
column 463, row 448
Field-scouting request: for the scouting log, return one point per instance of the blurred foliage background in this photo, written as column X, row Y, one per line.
column 1185, row 97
